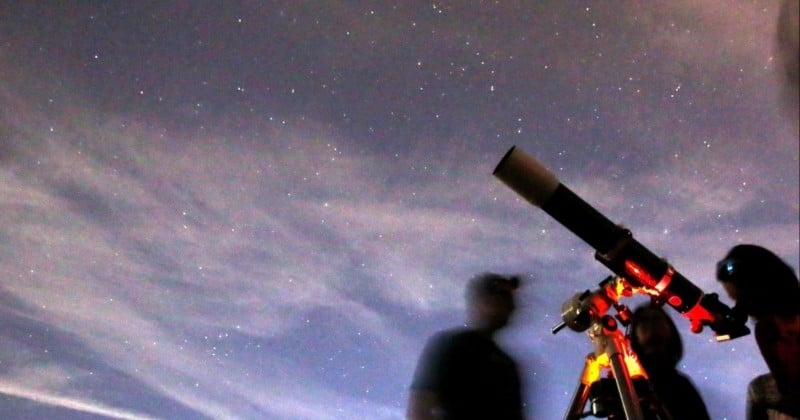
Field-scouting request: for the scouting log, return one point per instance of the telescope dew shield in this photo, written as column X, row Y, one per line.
column 526, row 176
column 540, row 187
column 615, row 247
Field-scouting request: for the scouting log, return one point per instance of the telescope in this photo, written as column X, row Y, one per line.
column 617, row 249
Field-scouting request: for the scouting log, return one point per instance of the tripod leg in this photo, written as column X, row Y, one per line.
column 590, row 374
column 578, row 402
column 627, row 393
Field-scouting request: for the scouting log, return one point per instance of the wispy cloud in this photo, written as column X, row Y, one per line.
column 84, row 406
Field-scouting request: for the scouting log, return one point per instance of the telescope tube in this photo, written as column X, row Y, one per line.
column 615, row 246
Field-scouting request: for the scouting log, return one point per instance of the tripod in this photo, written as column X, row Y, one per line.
column 626, row 394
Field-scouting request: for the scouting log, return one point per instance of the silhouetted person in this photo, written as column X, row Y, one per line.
column 462, row 373
column 768, row 290
column 658, row 345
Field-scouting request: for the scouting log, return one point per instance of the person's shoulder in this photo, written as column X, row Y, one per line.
column 680, row 382
column 762, row 387
column 448, row 333
column 467, row 335
column 763, row 381
column 455, row 337
column 446, row 336
column 683, row 379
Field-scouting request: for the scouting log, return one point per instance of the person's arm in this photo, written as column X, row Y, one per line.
column 423, row 399
column 422, row 405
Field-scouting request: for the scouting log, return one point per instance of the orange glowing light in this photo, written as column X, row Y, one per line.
column 639, row 274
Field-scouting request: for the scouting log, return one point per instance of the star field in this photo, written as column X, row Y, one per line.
column 262, row 209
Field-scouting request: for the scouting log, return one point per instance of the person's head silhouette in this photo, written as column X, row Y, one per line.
column 490, row 301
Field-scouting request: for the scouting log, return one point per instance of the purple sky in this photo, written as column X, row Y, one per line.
column 250, row 209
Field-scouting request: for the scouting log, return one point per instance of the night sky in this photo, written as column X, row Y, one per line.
column 262, row 209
